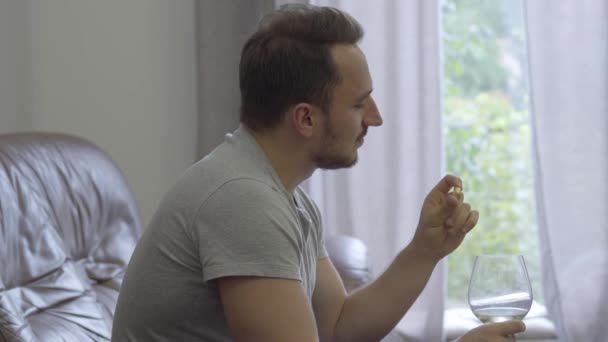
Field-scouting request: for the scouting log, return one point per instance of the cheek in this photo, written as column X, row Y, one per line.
column 345, row 126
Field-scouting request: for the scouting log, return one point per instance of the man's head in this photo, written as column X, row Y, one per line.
column 288, row 61
column 303, row 63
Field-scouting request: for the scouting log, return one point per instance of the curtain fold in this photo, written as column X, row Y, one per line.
column 222, row 29
column 568, row 51
column 379, row 199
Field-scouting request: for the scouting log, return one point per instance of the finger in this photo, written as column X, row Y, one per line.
column 457, row 236
column 459, row 217
column 507, row 328
column 454, row 232
column 447, row 183
column 457, row 195
column 447, row 209
column 471, row 221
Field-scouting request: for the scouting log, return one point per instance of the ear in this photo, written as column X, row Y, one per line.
column 303, row 117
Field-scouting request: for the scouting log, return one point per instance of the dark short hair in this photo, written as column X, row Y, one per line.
column 288, row 61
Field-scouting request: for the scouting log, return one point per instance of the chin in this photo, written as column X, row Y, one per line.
column 337, row 163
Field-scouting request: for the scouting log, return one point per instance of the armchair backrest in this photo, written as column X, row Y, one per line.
column 349, row 256
column 68, row 226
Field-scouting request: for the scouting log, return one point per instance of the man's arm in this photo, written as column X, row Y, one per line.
column 246, row 240
column 372, row 311
column 267, row 309
column 272, row 309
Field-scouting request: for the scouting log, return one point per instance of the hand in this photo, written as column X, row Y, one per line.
column 494, row 332
column 445, row 219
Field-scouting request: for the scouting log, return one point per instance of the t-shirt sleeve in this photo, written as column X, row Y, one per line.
column 247, row 228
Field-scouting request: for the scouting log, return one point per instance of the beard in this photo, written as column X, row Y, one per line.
column 332, row 154
column 327, row 161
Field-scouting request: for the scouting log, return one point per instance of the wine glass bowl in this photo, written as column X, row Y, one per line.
column 500, row 289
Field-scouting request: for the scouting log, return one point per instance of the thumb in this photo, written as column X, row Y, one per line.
column 440, row 203
column 508, row 328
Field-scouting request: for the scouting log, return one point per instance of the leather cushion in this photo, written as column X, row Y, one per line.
column 349, row 256
column 68, row 226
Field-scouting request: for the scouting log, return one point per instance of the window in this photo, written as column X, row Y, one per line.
column 487, row 133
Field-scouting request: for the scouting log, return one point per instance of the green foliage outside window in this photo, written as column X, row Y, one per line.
column 487, row 133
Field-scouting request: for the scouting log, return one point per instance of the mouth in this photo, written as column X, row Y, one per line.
column 360, row 141
column 361, row 138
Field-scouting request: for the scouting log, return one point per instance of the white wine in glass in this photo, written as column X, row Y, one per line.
column 500, row 289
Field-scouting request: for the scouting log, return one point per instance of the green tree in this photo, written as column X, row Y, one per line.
column 487, row 133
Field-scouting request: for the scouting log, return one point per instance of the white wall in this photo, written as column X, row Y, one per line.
column 121, row 73
column 13, row 60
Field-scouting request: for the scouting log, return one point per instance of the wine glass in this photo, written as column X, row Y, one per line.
column 499, row 289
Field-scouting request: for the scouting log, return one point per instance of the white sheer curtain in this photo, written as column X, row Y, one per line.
column 568, row 48
column 379, row 199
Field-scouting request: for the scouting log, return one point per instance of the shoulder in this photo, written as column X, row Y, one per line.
column 245, row 204
column 220, row 177
column 248, row 192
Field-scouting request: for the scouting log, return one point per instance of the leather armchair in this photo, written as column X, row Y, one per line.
column 68, row 226
column 349, row 256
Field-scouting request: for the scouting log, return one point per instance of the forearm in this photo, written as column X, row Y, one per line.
column 372, row 311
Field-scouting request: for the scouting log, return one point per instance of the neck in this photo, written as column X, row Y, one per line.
column 288, row 157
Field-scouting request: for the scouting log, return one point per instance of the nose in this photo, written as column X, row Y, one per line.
column 372, row 117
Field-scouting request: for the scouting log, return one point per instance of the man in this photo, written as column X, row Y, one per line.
column 236, row 250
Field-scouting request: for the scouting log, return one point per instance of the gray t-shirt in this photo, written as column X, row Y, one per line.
column 228, row 215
